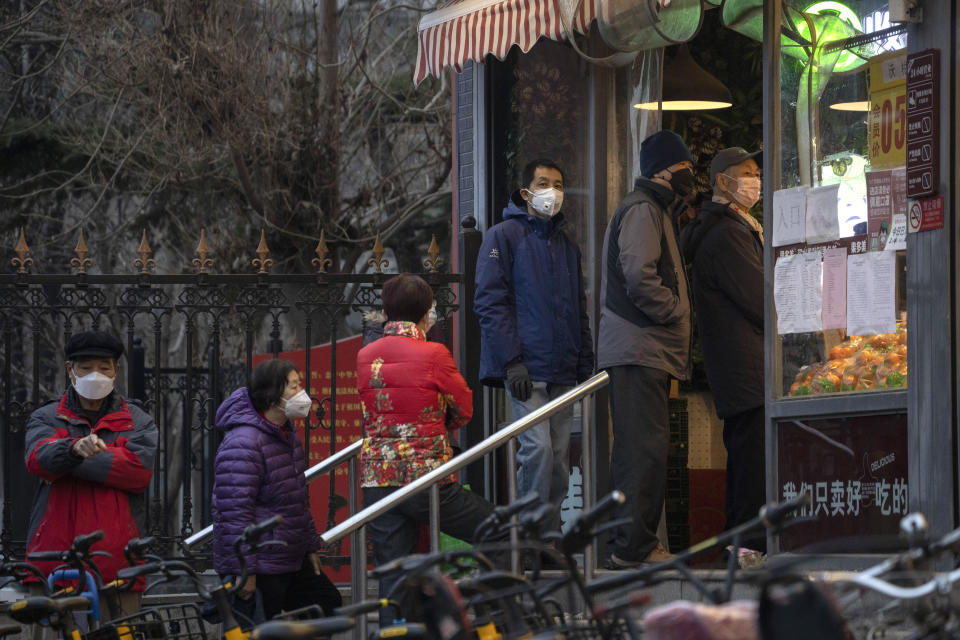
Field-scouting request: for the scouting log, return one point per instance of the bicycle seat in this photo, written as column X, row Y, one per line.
column 36, row 608
column 301, row 630
column 9, row 630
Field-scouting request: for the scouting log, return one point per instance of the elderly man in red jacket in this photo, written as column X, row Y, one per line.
column 94, row 454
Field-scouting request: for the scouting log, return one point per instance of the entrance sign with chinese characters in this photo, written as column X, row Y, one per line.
column 855, row 470
column 923, row 123
column 789, row 216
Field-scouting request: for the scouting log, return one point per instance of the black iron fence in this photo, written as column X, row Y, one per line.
column 191, row 340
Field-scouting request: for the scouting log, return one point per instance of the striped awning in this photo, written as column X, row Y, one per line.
column 464, row 30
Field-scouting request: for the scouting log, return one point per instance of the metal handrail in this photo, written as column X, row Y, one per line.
column 319, row 469
column 472, row 454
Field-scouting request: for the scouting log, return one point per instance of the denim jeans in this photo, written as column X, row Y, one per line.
column 544, row 452
column 394, row 534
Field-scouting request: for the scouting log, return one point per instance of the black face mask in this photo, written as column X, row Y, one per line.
column 682, row 182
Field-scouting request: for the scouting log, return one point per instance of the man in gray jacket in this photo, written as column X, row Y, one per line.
column 644, row 338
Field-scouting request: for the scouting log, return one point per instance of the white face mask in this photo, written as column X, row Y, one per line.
column 432, row 317
column 298, row 405
column 546, row 202
column 747, row 192
column 93, row 386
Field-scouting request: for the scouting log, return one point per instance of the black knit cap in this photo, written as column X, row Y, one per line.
column 661, row 150
column 93, row 344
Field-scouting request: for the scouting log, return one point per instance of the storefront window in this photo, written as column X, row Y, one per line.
column 839, row 215
column 855, row 470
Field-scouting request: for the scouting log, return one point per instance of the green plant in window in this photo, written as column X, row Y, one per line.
column 895, row 379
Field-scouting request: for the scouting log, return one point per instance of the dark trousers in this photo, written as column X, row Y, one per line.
column 744, row 439
column 394, row 534
column 289, row 591
column 638, row 466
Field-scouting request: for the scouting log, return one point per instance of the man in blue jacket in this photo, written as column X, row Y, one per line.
column 536, row 339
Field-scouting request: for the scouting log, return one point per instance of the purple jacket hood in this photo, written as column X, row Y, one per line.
column 258, row 473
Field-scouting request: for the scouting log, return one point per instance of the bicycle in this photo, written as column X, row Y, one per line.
column 220, row 594
column 486, row 602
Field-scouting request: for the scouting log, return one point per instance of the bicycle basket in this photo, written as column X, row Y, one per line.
column 169, row 622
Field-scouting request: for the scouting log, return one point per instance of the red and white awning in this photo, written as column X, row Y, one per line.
column 464, row 30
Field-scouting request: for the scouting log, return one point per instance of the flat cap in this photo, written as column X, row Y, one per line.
column 93, row 344
column 726, row 158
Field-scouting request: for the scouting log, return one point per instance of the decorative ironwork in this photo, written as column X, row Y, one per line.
column 23, row 261
column 378, row 261
column 434, row 262
column 262, row 262
column 201, row 263
column 322, row 262
column 81, row 262
column 191, row 340
column 145, row 263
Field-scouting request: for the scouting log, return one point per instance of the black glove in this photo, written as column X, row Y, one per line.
column 518, row 381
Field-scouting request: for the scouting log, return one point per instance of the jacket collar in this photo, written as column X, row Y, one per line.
column 403, row 328
column 725, row 210
column 116, row 416
column 540, row 225
column 663, row 195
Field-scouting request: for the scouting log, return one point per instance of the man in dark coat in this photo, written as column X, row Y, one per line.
column 724, row 246
column 644, row 339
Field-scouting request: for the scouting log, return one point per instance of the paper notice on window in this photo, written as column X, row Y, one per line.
column 835, row 288
column 871, row 293
column 897, row 240
column 789, row 215
column 823, row 223
column 796, row 293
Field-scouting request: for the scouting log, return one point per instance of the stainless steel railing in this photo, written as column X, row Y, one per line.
column 582, row 393
column 354, row 525
column 317, row 470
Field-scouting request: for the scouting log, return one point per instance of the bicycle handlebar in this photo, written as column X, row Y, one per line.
column 171, row 569
column 509, row 510
column 773, row 514
column 252, row 533
column 136, row 547
column 82, row 543
column 581, row 532
column 874, row 583
column 501, row 514
column 285, row 630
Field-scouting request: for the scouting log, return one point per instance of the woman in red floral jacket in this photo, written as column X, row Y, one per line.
column 412, row 395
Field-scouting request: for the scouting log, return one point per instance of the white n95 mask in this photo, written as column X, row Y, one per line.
column 298, row 405
column 93, row 386
column 546, row 202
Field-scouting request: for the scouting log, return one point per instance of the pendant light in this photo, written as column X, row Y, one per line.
column 686, row 86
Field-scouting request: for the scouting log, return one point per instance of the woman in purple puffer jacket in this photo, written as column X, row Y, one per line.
column 258, row 473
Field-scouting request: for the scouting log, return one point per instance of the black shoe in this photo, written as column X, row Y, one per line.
column 552, row 560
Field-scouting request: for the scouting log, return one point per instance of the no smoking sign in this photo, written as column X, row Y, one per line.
column 925, row 215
